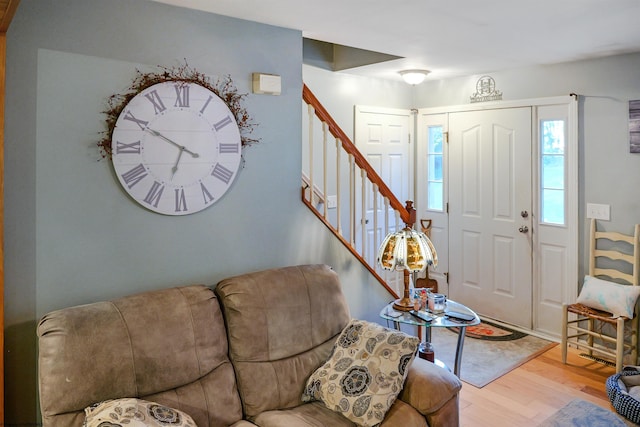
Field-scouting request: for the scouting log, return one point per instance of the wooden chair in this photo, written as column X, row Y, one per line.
column 626, row 330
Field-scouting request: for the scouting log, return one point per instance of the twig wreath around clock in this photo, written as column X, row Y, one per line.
column 175, row 139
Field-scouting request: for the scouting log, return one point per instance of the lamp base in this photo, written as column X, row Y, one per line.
column 403, row 304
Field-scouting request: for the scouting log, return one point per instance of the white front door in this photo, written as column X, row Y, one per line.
column 383, row 136
column 490, row 205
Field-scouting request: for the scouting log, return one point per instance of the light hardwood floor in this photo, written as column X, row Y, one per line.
column 532, row 392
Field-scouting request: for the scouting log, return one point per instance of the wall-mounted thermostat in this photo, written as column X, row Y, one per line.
column 268, row 84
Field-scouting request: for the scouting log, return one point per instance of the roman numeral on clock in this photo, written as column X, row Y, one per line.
column 206, row 104
column 123, row 148
column 181, row 201
column 222, row 173
column 206, row 196
column 134, row 175
column 229, row 148
column 222, row 123
column 154, row 194
column 182, row 95
column 154, row 98
column 128, row 116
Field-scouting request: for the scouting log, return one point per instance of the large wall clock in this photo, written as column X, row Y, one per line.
column 176, row 147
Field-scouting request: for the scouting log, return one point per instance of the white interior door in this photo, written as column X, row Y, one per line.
column 383, row 136
column 490, row 205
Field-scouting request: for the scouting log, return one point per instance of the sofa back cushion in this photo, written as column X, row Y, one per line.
column 166, row 346
column 281, row 324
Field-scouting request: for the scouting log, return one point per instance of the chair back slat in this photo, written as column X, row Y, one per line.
column 615, row 253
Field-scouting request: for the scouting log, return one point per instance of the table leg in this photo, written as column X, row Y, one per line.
column 456, row 367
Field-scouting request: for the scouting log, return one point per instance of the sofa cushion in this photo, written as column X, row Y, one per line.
column 167, row 346
column 365, row 372
column 315, row 414
column 135, row 413
column 282, row 324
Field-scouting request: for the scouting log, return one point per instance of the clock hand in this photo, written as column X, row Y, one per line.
column 181, row 147
column 174, row 169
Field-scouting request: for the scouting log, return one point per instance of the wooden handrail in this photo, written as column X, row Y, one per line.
column 350, row 148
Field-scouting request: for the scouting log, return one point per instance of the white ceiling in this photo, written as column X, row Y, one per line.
column 452, row 37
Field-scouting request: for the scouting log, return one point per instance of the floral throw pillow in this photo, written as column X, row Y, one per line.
column 131, row 412
column 364, row 373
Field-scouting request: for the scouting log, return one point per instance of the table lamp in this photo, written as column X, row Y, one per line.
column 407, row 250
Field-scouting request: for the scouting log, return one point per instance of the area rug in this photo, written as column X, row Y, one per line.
column 492, row 332
column 484, row 360
column 580, row 413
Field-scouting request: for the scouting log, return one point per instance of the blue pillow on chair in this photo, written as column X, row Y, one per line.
column 617, row 299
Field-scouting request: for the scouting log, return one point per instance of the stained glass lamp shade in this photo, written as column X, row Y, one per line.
column 410, row 251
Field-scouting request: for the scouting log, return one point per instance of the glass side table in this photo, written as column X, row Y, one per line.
column 440, row 320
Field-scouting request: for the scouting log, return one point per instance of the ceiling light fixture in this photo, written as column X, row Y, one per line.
column 414, row 77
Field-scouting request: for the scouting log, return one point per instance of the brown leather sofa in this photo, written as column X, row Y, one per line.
column 237, row 357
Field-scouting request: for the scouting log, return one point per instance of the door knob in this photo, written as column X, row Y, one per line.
column 524, row 214
column 523, row 229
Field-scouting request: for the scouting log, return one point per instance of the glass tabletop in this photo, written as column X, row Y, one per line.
column 438, row 319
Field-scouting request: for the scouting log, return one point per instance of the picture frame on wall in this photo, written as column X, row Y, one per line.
column 634, row 126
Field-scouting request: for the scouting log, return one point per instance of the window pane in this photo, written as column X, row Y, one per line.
column 435, row 140
column 553, row 137
column 553, row 172
column 553, row 206
column 435, row 196
column 435, row 168
column 435, row 186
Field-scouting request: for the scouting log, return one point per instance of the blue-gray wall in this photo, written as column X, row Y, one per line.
column 72, row 235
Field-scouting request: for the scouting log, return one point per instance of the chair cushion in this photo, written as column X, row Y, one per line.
column 617, row 299
column 365, row 372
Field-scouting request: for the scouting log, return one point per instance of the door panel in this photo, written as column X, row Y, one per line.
column 556, row 269
column 432, row 131
column 382, row 136
column 490, row 184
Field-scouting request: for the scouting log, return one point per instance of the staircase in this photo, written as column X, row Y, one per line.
column 344, row 191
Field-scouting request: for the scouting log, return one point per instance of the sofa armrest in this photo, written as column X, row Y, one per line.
column 429, row 387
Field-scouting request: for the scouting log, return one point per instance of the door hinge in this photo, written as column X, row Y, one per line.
column 446, row 137
column 447, row 207
column 446, row 276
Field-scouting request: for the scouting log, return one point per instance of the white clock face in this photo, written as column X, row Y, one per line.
column 176, row 148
